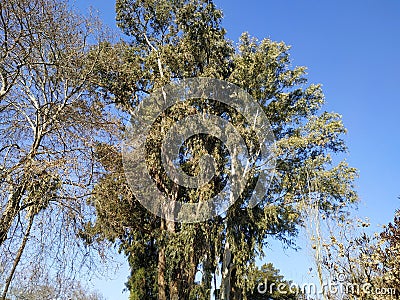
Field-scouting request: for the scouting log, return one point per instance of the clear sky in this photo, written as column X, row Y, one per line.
column 352, row 48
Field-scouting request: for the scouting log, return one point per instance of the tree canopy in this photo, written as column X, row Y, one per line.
column 168, row 41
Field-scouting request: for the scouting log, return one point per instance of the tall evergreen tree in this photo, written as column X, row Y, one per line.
column 172, row 40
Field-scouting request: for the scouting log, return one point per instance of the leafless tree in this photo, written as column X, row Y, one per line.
column 50, row 124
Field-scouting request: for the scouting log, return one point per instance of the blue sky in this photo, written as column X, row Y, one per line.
column 352, row 48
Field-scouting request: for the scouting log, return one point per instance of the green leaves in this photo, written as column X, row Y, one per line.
column 171, row 40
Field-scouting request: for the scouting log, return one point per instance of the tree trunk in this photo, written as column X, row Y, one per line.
column 162, row 286
column 162, row 282
column 174, row 289
column 11, row 211
column 174, row 280
column 226, row 273
column 191, row 273
column 18, row 257
column 236, row 293
column 209, row 271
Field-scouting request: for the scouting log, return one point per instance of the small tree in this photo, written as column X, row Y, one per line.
column 269, row 284
column 389, row 257
column 365, row 265
column 48, row 291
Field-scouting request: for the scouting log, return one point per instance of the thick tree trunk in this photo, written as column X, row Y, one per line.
column 162, row 282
